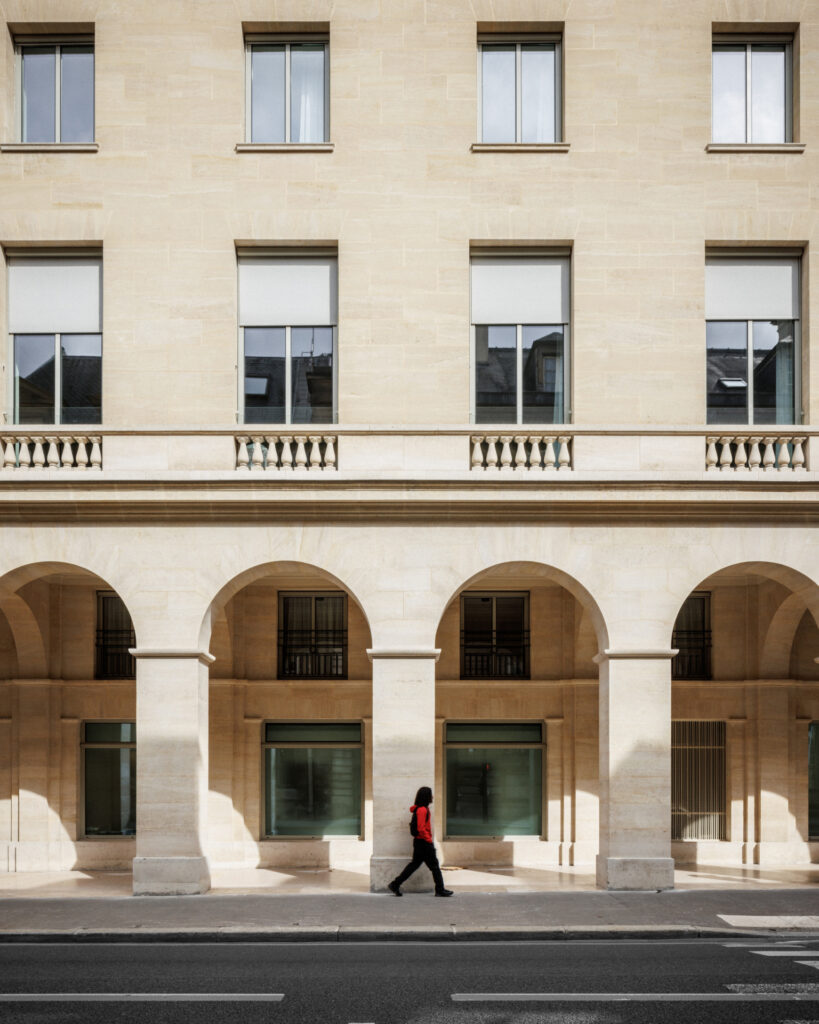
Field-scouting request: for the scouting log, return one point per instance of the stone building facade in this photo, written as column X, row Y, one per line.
column 400, row 393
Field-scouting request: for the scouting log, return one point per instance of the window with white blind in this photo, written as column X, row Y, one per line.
column 288, row 90
column 288, row 316
column 55, row 323
column 752, row 310
column 520, row 337
column 698, row 782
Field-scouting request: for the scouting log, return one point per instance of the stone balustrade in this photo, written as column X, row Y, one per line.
column 51, row 451
column 522, row 453
column 741, row 453
column 286, row 452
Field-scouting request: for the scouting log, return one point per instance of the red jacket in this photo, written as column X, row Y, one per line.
column 424, row 820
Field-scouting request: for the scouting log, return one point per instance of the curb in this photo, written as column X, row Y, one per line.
column 354, row 934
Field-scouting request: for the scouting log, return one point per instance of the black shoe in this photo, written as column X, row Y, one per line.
column 444, row 892
column 395, row 889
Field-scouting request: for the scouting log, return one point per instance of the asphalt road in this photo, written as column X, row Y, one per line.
column 576, row 982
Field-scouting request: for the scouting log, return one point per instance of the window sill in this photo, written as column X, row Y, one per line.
column 755, row 147
column 519, row 147
column 285, row 147
column 49, row 147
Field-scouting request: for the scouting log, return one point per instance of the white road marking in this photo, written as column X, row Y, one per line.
column 779, row 952
column 141, row 997
column 782, row 986
column 809, row 963
column 635, row 997
column 771, row 921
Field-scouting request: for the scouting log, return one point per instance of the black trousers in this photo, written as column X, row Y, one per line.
column 423, row 853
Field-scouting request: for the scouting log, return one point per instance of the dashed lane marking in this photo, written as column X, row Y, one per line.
column 807, row 993
column 141, row 997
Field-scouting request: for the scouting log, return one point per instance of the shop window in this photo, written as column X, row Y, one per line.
column 494, row 779
column 109, row 778
column 698, row 783
column 313, row 779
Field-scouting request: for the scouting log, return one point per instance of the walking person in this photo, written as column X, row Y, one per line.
column 423, row 849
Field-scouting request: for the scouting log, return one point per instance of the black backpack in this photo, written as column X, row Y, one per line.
column 414, row 824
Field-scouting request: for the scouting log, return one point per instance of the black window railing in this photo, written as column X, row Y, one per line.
column 112, row 659
column 313, row 654
column 694, row 659
column 494, row 656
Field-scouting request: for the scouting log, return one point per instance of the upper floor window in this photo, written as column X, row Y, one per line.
column 752, row 308
column 56, row 91
column 55, row 322
column 752, row 90
column 115, row 638
column 288, row 90
column 692, row 639
column 520, row 99
column 288, row 312
column 494, row 636
column 312, row 636
column 520, row 338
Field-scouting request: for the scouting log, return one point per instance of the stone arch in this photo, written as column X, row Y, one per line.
column 780, row 636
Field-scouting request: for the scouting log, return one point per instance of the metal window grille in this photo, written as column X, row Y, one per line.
column 494, row 657
column 115, row 636
column 694, row 659
column 312, row 644
column 698, row 782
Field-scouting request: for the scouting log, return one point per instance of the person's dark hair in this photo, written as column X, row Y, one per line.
column 423, row 798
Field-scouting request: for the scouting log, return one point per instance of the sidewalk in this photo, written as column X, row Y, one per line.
column 105, row 911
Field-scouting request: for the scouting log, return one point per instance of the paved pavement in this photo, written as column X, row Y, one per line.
column 356, row 917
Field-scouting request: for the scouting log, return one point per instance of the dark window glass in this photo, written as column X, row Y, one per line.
column 313, row 732
column 39, row 94
column 692, row 638
column 81, row 369
column 494, row 732
column 543, row 375
column 313, row 636
column 110, row 732
column 77, row 94
column 813, row 781
column 110, row 779
column 494, row 637
column 264, row 374
column 115, row 637
column 311, row 351
column 312, row 791
column 493, row 791
column 34, row 378
column 495, row 374
column 727, row 371
column 773, row 362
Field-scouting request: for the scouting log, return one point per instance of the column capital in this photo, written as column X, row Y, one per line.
column 657, row 653
column 403, row 652
column 172, row 652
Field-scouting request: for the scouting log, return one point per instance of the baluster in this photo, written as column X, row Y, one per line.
column 740, row 457
column 506, row 453
column 96, row 452
column 564, row 458
column 783, row 460
column 768, row 459
column 535, row 458
column 549, row 454
column 52, row 454
column 725, row 454
column 272, row 459
column 798, row 457
column 82, row 452
column 9, row 453
column 711, row 457
column 755, row 459
column 67, row 458
column 330, row 452
column 520, row 452
column 315, row 453
column 242, row 456
column 287, row 453
column 38, row 457
column 257, row 458
column 25, row 453
column 491, row 453
column 301, row 454
column 476, row 461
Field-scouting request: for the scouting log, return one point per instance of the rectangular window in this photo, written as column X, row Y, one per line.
column 494, row 636
column 312, row 636
column 752, row 309
column 520, row 338
column 520, row 93
column 813, row 781
column 313, row 779
column 698, row 784
column 692, row 638
column 752, row 89
column 109, row 776
column 288, row 316
column 55, row 321
column 115, row 637
column 288, row 91
column 494, row 779
column 56, row 92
